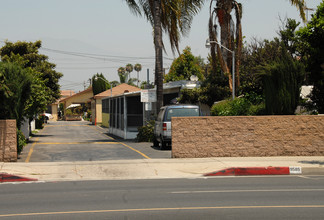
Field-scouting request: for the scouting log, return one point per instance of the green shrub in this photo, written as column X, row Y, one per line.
column 21, row 141
column 238, row 106
column 68, row 112
column 88, row 113
column 258, row 109
column 40, row 122
column 146, row 132
column 221, row 108
column 282, row 80
column 254, row 98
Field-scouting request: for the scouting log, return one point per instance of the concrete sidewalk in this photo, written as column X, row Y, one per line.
column 153, row 168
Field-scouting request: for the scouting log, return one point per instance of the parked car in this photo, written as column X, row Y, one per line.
column 162, row 127
column 47, row 116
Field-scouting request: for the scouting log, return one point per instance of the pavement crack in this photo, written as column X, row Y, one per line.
column 76, row 171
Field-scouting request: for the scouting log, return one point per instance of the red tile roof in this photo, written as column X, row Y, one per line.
column 118, row 90
column 67, row 93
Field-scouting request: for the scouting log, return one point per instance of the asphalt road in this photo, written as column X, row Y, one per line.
column 271, row 197
column 81, row 141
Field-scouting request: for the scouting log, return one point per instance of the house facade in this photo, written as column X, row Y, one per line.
column 98, row 115
column 82, row 98
column 124, row 113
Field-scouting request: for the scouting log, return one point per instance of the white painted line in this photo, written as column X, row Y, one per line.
column 244, row 191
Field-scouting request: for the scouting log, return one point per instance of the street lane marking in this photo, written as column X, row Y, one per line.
column 31, row 150
column 162, row 209
column 55, row 143
column 144, row 155
column 67, row 125
column 70, row 143
column 242, row 191
column 137, row 151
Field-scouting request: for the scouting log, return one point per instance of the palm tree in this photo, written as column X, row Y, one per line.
column 137, row 68
column 173, row 17
column 301, row 6
column 129, row 68
column 231, row 34
column 122, row 74
column 114, row 83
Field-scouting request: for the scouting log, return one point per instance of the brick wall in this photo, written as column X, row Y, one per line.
column 247, row 136
column 8, row 141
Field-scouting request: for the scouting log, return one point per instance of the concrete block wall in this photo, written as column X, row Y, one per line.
column 8, row 141
column 247, row 136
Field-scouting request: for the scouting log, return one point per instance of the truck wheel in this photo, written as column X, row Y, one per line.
column 155, row 143
column 163, row 145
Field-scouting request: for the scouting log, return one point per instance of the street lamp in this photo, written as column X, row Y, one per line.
column 208, row 42
column 98, row 77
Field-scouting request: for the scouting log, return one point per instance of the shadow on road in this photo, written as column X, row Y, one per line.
column 312, row 162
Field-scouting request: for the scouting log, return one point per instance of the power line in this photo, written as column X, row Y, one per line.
column 98, row 56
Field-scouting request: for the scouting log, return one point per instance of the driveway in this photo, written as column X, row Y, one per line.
column 81, row 141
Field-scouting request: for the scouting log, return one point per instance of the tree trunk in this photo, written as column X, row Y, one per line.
column 158, row 54
column 226, row 35
column 239, row 44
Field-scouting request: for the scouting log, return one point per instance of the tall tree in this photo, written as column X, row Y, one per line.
column 282, row 78
column 137, row 68
column 99, row 83
column 122, row 74
column 173, row 17
column 27, row 55
column 312, row 48
column 230, row 34
column 18, row 83
column 185, row 66
column 129, row 68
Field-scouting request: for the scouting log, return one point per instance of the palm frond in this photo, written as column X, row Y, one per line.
column 301, row 5
column 133, row 6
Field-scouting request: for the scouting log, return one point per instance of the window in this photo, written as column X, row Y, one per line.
column 181, row 112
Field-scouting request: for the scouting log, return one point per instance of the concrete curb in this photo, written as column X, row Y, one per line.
column 313, row 170
column 5, row 177
column 247, row 171
column 163, row 168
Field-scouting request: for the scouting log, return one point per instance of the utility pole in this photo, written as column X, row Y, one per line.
column 148, row 78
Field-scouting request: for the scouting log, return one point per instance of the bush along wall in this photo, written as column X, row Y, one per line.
column 146, row 132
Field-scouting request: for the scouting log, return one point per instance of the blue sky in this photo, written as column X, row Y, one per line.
column 107, row 27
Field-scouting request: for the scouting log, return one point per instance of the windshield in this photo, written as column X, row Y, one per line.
column 182, row 112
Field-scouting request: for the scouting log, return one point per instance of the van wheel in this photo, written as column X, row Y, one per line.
column 155, row 143
column 163, row 145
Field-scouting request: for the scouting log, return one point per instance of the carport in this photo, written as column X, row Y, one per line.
column 126, row 114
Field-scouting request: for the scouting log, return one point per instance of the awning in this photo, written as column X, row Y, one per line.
column 73, row 106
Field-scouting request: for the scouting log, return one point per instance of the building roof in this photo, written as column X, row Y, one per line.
column 64, row 94
column 117, row 90
column 76, row 94
column 67, row 93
